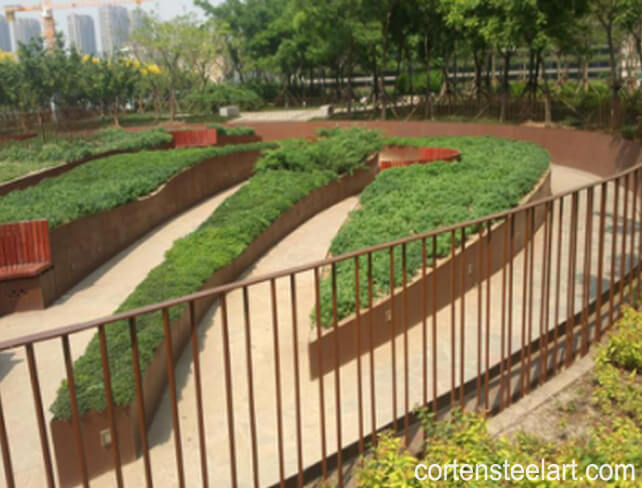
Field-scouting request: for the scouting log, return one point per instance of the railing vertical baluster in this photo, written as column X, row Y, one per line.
column 404, row 319
column 40, row 416
column 171, row 377
column 140, row 402
column 462, row 313
column 503, row 317
column 489, row 261
column 277, row 381
column 229, row 399
column 480, row 277
column 543, row 330
column 600, row 262
column 634, row 219
column 572, row 260
column 250, row 386
column 357, row 297
column 433, row 285
column 616, row 196
column 75, row 415
column 371, row 352
column 527, row 236
column 531, row 273
column 109, row 400
column 547, row 285
column 625, row 224
column 337, row 377
column 6, row 454
column 424, row 332
column 453, row 324
column 297, row 382
column 324, row 450
column 558, row 276
column 588, row 247
column 393, row 334
column 509, row 349
column 199, row 393
column 638, row 232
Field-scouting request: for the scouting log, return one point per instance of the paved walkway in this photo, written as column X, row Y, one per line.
column 283, row 115
column 96, row 296
column 307, row 243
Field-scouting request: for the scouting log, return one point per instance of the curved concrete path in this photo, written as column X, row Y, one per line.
column 96, row 296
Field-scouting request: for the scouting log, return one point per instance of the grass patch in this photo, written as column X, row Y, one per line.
column 613, row 437
column 20, row 158
column 105, row 183
column 282, row 177
column 493, row 175
column 234, row 130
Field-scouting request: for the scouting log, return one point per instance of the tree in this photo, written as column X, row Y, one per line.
column 180, row 47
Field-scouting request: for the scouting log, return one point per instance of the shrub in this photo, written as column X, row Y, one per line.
column 235, row 130
column 494, row 175
column 216, row 96
column 192, row 260
column 105, row 183
column 20, row 158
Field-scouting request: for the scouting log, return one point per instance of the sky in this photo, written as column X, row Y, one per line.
column 167, row 9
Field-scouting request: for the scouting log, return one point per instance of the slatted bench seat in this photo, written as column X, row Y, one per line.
column 25, row 255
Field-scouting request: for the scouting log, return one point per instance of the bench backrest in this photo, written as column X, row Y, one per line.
column 24, row 243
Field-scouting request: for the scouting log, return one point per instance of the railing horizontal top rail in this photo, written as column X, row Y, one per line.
column 219, row 290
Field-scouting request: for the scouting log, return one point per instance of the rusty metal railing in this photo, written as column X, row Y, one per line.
column 515, row 297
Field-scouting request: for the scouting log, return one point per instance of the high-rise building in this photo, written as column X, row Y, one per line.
column 25, row 30
column 82, row 33
column 136, row 19
column 114, row 28
column 5, row 36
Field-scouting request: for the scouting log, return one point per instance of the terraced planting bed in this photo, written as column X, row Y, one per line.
column 98, row 209
column 290, row 184
column 21, row 158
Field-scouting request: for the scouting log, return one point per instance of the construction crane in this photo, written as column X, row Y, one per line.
column 47, row 8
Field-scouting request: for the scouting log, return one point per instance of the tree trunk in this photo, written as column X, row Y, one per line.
column 172, row 103
column 505, row 87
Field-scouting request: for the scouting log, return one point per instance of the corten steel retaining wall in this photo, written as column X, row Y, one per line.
column 81, row 246
column 380, row 316
column 35, row 178
column 154, row 380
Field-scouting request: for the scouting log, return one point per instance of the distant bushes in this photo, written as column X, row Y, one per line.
column 234, row 130
column 105, row 183
column 20, row 158
column 274, row 188
column 215, row 96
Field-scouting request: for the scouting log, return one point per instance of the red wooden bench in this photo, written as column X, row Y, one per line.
column 24, row 249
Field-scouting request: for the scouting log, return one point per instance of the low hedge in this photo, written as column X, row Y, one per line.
column 493, row 175
column 232, row 130
column 192, row 260
column 20, row 158
column 105, row 183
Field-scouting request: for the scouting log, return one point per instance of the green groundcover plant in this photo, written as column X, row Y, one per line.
column 493, row 175
column 614, row 436
column 20, row 158
column 283, row 176
column 233, row 130
column 105, row 183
